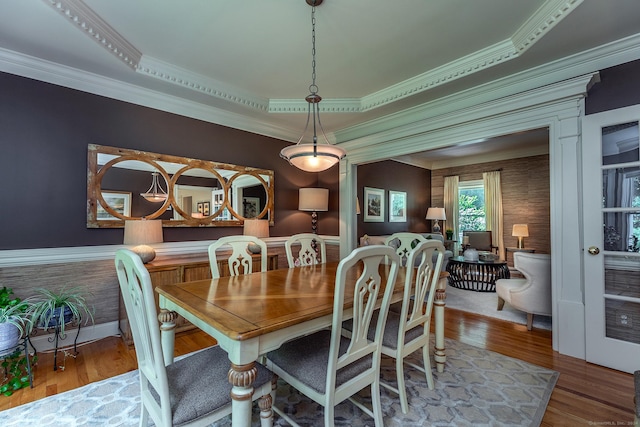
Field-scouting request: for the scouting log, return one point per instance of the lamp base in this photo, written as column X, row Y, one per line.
column 520, row 242
column 436, row 227
column 253, row 248
column 146, row 253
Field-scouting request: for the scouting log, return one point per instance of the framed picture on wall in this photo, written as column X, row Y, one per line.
column 397, row 206
column 373, row 204
column 250, row 207
column 120, row 201
column 206, row 208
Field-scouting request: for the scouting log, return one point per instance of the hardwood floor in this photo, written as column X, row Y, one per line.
column 585, row 394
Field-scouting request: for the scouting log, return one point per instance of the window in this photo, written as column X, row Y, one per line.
column 471, row 213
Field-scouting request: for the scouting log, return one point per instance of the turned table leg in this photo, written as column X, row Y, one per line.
column 168, row 334
column 241, row 378
column 439, row 354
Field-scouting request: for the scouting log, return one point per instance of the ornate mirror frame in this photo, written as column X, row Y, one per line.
column 110, row 205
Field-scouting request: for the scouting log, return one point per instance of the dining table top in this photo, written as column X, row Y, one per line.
column 247, row 306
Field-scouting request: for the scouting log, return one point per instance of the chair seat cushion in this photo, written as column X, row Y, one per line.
column 307, row 359
column 198, row 384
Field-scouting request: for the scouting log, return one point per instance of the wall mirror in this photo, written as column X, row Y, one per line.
column 128, row 184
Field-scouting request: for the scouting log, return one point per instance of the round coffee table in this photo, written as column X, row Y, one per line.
column 479, row 276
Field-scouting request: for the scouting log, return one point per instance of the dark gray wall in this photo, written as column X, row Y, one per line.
column 44, row 132
column 395, row 176
column 619, row 87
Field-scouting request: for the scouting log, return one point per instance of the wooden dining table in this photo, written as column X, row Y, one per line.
column 250, row 315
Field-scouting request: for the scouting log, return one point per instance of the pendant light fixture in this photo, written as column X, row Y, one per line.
column 311, row 156
column 155, row 193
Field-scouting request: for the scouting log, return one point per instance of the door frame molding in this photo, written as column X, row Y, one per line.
column 558, row 107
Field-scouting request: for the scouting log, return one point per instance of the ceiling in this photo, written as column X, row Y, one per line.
column 247, row 64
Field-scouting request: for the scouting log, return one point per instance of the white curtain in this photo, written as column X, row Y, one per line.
column 493, row 207
column 451, row 208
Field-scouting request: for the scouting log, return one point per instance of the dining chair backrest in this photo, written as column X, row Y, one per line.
column 191, row 391
column 404, row 243
column 420, row 282
column 240, row 260
column 307, row 255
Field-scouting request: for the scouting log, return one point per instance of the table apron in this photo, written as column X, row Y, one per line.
column 246, row 351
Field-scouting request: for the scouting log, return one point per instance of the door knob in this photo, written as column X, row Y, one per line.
column 594, row 250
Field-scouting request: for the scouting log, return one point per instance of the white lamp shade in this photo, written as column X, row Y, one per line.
column 520, row 230
column 313, row 199
column 436, row 213
column 142, row 232
column 256, row 227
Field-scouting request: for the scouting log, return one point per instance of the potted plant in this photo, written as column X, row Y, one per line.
column 55, row 309
column 449, row 234
column 14, row 319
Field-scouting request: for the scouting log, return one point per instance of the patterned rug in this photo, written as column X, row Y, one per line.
column 477, row 388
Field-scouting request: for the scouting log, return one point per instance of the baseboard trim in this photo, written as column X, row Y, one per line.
column 46, row 342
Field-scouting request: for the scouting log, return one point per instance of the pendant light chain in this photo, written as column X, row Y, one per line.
column 313, row 88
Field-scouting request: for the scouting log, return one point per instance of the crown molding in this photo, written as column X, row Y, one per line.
column 170, row 73
column 86, row 20
column 611, row 54
column 543, row 20
column 336, row 105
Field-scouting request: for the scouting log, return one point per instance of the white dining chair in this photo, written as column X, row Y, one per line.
column 192, row 391
column 307, row 255
column 328, row 367
column 240, row 261
column 408, row 330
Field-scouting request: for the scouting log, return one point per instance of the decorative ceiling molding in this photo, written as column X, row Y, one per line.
column 179, row 76
column 541, row 22
column 87, row 21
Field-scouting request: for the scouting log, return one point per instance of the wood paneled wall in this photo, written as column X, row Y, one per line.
column 525, row 195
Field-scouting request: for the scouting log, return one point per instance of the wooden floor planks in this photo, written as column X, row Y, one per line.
column 585, row 394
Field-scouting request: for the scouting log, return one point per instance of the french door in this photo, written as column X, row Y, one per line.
column 611, row 206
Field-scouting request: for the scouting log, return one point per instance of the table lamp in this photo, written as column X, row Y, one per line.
column 141, row 233
column 436, row 214
column 256, row 228
column 314, row 200
column 520, row 231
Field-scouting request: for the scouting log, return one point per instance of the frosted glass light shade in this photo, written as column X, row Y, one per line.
column 303, row 156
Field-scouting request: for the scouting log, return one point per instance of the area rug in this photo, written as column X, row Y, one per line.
column 477, row 388
column 486, row 303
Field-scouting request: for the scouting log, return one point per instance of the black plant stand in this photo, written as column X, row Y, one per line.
column 58, row 335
